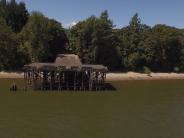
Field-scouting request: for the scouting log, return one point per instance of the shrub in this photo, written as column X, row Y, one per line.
column 147, row 71
column 176, row 69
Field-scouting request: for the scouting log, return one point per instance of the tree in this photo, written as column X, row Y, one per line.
column 132, row 40
column 81, row 36
column 10, row 50
column 163, row 48
column 58, row 41
column 15, row 14
column 43, row 37
column 136, row 47
column 107, row 51
column 94, row 41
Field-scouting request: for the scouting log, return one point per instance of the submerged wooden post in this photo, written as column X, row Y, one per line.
column 44, row 80
column 25, row 79
column 74, row 81
column 50, row 80
column 91, row 80
column 59, row 81
column 82, row 86
column 67, row 80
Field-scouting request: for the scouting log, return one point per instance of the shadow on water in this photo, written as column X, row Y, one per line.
column 110, row 87
column 106, row 87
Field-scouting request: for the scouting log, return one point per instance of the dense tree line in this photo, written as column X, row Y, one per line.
column 28, row 37
column 94, row 41
column 159, row 47
column 32, row 37
column 136, row 47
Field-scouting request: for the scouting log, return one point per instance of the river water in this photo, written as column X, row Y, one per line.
column 137, row 109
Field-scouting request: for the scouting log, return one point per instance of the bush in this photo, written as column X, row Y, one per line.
column 147, row 71
column 176, row 69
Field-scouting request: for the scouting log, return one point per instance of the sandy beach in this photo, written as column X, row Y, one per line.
column 141, row 76
column 117, row 76
column 11, row 75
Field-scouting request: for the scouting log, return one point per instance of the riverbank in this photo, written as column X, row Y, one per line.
column 141, row 76
column 117, row 76
column 10, row 75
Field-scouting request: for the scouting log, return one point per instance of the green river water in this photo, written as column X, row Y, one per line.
column 137, row 109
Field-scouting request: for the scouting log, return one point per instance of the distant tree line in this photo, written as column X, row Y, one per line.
column 31, row 37
column 136, row 47
column 27, row 37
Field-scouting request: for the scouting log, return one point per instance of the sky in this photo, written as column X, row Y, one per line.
column 151, row 12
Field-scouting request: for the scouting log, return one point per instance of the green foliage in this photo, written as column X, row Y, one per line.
column 93, row 40
column 23, row 40
column 26, row 38
column 147, row 71
column 163, row 48
column 131, row 44
column 176, row 69
column 15, row 14
column 159, row 48
column 9, row 49
column 43, row 37
column 135, row 61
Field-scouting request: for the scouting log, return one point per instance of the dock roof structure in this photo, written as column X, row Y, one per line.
column 67, row 72
column 67, row 61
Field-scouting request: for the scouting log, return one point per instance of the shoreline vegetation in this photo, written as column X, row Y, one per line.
column 114, row 76
column 31, row 37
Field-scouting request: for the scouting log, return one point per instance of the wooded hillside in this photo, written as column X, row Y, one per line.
column 32, row 37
